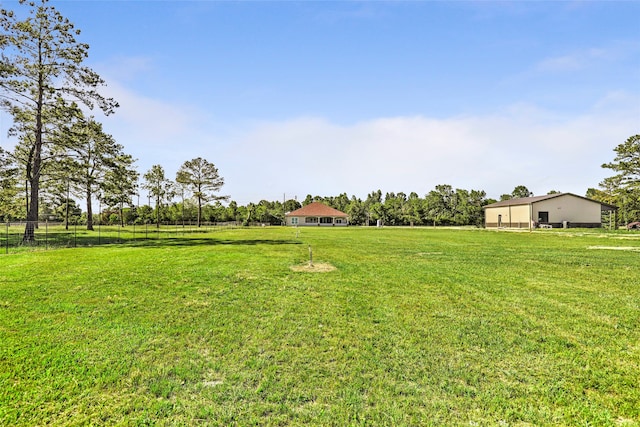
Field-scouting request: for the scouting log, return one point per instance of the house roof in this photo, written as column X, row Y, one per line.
column 534, row 199
column 317, row 209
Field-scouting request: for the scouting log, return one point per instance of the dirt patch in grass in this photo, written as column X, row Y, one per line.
column 212, row 383
column 316, row 267
column 617, row 248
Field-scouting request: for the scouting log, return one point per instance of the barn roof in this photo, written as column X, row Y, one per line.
column 534, row 199
column 317, row 209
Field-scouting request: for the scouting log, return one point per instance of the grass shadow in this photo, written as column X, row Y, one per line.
column 187, row 242
column 59, row 240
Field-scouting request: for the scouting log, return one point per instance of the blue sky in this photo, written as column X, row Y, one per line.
column 321, row 98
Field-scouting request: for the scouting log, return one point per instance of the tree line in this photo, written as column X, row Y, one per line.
column 443, row 205
column 192, row 198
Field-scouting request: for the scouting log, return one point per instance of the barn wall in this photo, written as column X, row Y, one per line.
column 512, row 216
column 578, row 212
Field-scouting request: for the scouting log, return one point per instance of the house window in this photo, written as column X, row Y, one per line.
column 311, row 220
column 294, row 221
column 326, row 220
column 338, row 220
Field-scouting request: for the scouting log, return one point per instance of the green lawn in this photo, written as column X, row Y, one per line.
column 414, row 327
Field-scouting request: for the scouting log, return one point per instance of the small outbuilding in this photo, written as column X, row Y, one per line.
column 549, row 211
column 318, row 214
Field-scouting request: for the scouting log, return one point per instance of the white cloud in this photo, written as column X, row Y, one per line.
column 562, row 63
column 127, row 68
column 585, row 58
column 155, row 131
column 521, row 145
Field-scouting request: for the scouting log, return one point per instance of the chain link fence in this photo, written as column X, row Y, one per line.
column 29, row 236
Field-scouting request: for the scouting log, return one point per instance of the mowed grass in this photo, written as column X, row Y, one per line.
column 413, row 327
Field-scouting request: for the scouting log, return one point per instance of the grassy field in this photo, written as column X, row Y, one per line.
column 413, row 327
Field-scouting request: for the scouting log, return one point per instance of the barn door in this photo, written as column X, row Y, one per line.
column 543, row 217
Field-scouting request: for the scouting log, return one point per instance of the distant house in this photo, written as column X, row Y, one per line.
column 552, row 210
column 318, row 214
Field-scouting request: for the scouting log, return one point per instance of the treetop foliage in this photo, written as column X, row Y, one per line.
column 627, row 162
column 623, row 188
column 41, row 62
column 202, row 179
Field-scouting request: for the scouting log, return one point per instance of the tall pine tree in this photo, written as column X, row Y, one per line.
column 41, row 78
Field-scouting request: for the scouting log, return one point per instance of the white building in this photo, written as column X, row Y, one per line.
column 552, row 210
column 317, row 214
